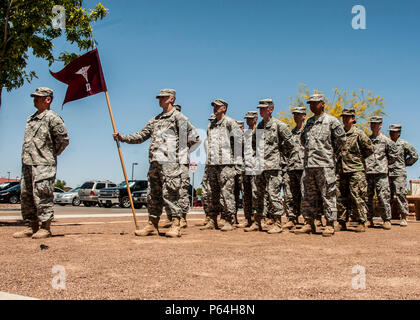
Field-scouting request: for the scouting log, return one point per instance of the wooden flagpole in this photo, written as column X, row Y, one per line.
column 122, row 161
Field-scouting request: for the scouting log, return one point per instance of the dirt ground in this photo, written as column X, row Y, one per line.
column 104, row 260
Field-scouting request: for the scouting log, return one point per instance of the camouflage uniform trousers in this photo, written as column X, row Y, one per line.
column 164, row 185
column 238, row 189
column 221, row 182
column 351, row 196
column 184, row 201
column 380, row 183
column 268, row 184
column 319, row 193
column 398, row 186
column 247, row 195
column 293, row 193
column 37, row 193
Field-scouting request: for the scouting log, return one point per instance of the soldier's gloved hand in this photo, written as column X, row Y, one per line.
column 116, row 136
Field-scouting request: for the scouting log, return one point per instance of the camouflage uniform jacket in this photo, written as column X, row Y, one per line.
column 224, row 142
column 295, row 160
column 277, row 142
column 323, row 137
column 172, row 135
column 406, row 156
column 385, row 153
column 357, row 148
column 45, row 138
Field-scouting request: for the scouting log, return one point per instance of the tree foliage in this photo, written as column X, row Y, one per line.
column 60, row 184
column 28, row 24
column 365, row 104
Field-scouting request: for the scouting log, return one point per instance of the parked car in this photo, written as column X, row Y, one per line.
column 7, row 185
column 89, row 191
column 11, row 195
column 57, row 191
column 140, row 199
column 69, row 197
column 198, row 203
column 119, row 195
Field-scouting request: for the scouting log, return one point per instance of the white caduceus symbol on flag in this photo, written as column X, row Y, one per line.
column 83, row 72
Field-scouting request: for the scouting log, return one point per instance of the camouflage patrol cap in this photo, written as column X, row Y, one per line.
column 212, row 117
column 264, row 103
column 219, row 103
column 43, row 92
column 251, row 114
column 395, row 127
column 348, row 112
column 316, row 97
column 240, row 123
column 166, row 93
column 299, row 110
column 376, row 119
column 177, row 107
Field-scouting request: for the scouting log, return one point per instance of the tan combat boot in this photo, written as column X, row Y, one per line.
column 211, row 224
column 228, row 226
column 256, row 225
column 340, row 226
column 151, row 228
column 290, row 225
column 387, row 225
column 329, row 229
column 183, row 223
column 360, row 227
column 269, row 221
column 222, row 222
column 276, row 226
column 32, row 228
column 245, row 224
column 175, row 230
column 203, row 222
column 403, row 222
column 167, row 223
column 44, row 231
column 308, row 227
column 371, row 224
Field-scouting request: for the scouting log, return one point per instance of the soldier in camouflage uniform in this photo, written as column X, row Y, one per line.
column 351, row 176
column 173, row 137
column 277, row 137
column 293, row 176
column 224, row 152
column 323, row 138
column 184, row 201
column 406, row 156
column 385, row 153
column 238, row 180
column 46, row 138
column 251, row 118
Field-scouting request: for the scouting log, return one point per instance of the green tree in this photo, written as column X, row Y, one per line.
column 28, row 24
column 60, row 184
column 199, row 192
column 365, row 104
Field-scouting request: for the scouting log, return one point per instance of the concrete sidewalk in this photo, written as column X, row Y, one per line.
column 11, row 296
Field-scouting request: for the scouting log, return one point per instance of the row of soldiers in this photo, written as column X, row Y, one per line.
column 324, row 168
column 315, row 163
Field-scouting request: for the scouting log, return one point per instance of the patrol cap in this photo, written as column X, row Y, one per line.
column 348, row 112
column 212, row 117
column 177, row 107
column 376, row 119
column 316, row 97
column 395, row 127
column 219, row 103
column 264, row 103
column 166, row 93
column 299, row 110
column 42, row 92
column 251, row 114
column 240, row 123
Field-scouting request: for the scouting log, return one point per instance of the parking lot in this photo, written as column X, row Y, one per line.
column 102, row 259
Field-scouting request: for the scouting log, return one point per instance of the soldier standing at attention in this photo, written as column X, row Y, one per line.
column 224, row 153
column 351, row 176
column 406, row 156
column 172, row 138
column 251, row 118
column 385, row 153
column 277, row 137
column 293, row 176
column 323, row 138
column 46, row 138
column 238, row 180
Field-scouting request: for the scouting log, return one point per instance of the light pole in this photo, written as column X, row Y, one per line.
column 8, row 178
column 132, row 170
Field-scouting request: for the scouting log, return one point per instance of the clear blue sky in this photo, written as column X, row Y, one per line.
column 240, row 51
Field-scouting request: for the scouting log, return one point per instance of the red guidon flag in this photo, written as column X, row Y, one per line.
column 83, row 76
